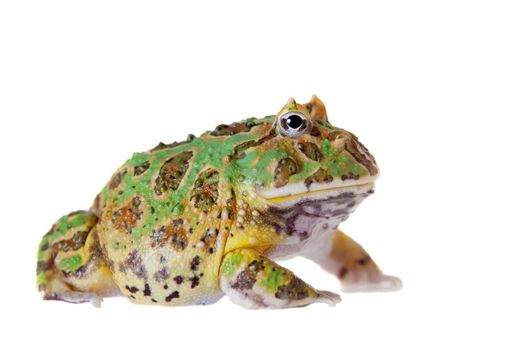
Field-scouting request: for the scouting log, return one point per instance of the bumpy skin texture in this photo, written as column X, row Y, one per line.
column 184, row 223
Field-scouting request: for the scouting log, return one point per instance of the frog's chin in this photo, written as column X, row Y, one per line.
column 293, row 193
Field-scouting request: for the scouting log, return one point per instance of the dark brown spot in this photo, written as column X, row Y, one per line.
column 205, row 190
column 320, row 176
column 350, row 176
column 234, row 128
column 194, row 281
column 172, row 296
column 245, row 280
column 75, row 243
column 209, row 238
column 285, row 168
column 147, row 290
column 172, row 172
column 315, row 131
column 79, row 238
column 256, row 265
column 140, row 169
column 195, row 263
column 293, row 290
column 43, row 266
column 311, row 150
column 173, row 233
column 127, row 217
column 239, row 150
column 178, row 279
column 132, row 289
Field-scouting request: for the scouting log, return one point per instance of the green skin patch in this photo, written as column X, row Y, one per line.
column 273, row 281
column 231, row 263
column 338, row 164
column 253, row 168
column 71, row 263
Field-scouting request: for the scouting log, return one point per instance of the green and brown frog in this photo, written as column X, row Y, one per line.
column 185, row 223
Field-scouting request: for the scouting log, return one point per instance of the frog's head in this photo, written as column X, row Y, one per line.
column 300, row 155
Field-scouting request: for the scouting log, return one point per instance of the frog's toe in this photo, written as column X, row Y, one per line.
column 328, row 298
column 365, row 281
column 76, row 297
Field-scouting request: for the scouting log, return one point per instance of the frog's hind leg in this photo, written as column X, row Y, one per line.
column 71, row 264
column 345, row 258
column 254, row 281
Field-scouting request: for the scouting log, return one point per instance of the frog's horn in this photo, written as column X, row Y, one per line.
column 291, row 105
column 316, row 109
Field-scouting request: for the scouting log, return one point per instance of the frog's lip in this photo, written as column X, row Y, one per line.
column 296, row 192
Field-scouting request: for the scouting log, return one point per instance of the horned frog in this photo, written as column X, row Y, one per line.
column 185, row 223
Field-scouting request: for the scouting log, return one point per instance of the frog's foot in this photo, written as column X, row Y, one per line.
column 254, row 281
column 328, row 297
column 82, row 297
column 354, row 267
column 365, row 281
column 71, row 265
column 60, row 291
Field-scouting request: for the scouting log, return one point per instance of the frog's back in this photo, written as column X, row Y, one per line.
column 165, row 216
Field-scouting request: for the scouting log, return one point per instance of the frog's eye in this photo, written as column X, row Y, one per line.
column 293, row 124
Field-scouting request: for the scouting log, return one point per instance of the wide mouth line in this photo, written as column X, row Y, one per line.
column 316, row 192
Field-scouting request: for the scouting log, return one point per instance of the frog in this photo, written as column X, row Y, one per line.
column 186, row 223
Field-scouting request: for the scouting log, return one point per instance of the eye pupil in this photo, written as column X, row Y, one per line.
column 294, row 121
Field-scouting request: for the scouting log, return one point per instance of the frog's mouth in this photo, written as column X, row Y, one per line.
column 314, row 215
column 293, row 193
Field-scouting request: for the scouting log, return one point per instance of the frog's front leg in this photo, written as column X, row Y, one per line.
column 254, row 281
column 345, row 258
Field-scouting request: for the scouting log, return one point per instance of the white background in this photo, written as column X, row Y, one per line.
column 435, row 89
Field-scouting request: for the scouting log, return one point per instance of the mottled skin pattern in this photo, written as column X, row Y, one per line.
column 185, row 223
